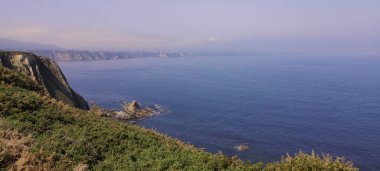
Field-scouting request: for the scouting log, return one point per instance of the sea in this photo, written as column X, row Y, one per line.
column 274, row 104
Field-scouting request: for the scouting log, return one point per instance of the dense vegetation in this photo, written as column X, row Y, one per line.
column 17, row 79
column 39, row 132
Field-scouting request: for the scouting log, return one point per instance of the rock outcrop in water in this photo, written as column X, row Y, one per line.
column 131, row 111
column 134, row 110
column 242, row 147
column 46, row 73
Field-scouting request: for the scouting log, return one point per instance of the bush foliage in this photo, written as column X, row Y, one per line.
column 17, row 79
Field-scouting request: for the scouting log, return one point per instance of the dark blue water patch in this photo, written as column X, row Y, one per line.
column 276, row 104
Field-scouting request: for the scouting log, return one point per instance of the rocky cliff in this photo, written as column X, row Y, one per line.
column 46, row 73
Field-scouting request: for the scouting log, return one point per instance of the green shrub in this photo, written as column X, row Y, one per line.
column 311, row 162
column 17, row 79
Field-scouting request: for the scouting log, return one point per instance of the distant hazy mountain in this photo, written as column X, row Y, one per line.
column 78, row 55
column 61, row 54
column 7, row 44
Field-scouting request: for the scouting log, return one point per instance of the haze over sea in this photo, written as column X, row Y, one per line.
column 275, row 104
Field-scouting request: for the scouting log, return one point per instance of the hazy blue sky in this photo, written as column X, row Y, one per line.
column 318, row 26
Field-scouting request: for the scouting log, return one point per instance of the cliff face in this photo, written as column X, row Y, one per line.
column 46, row 73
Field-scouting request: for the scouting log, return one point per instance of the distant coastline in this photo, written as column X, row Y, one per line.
column 78, row 55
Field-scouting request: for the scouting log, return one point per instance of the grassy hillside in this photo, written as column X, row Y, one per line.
column 10, row 77
column 39, row 132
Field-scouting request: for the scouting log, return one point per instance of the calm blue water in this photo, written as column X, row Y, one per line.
column 277, row 105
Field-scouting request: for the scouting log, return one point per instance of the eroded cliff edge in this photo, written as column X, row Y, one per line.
column 46, row 73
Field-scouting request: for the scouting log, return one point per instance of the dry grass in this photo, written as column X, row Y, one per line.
column 15, row 151
column 14, row 147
